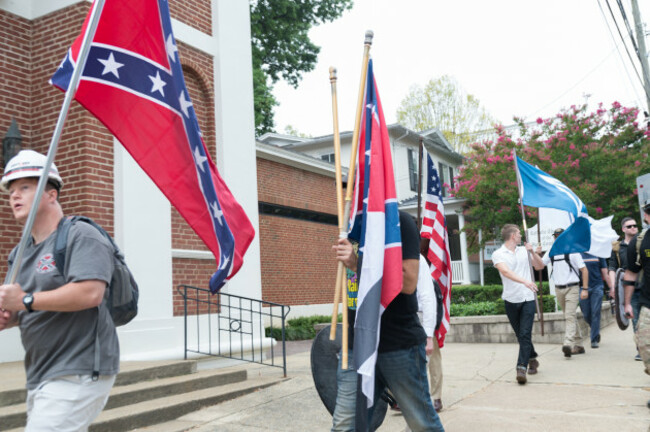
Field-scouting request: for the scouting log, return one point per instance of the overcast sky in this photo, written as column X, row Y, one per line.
column 518, row 57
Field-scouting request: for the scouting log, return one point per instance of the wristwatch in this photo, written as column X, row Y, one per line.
column 28, row 300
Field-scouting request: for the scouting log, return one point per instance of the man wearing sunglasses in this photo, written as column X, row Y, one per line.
column 618, row 260
column 638, row 259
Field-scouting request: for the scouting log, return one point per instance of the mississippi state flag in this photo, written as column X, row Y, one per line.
column 434, row 229
column 133, row 83
column 376, row 227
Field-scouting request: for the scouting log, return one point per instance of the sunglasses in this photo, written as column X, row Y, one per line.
column 630, row 226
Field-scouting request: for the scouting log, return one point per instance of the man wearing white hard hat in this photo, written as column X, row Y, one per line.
column 67, row 333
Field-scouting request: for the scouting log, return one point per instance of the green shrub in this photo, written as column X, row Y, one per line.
column 491, row 276
column 493, row 307
column 299, row 328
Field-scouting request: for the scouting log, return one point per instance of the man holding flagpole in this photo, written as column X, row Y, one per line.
column 71, row 348
column 389, row 341
column 519, row 290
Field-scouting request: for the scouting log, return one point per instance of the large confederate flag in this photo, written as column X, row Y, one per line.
column 133, row 83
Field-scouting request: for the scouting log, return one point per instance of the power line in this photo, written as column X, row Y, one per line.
column 625, row 68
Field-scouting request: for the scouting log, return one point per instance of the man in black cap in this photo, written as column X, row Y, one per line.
column 566, row 273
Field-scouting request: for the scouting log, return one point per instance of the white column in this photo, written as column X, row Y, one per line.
column 463, row 248
column 235, row 127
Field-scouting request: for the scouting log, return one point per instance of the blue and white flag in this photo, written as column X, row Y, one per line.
column 539, row 189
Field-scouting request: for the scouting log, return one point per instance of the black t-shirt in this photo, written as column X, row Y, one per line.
column 645, row 265
column 400, row 326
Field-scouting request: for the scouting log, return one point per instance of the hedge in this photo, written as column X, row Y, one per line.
column 299, row 328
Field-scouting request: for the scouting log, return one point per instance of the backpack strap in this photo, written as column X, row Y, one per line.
column 60, row 247
column 639, row 239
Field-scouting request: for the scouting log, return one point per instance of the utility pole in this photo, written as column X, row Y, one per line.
column 643, row 53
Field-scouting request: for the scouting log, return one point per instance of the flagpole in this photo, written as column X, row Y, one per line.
column 420, row 157
column 523, row 218
column 539, row 292
column 97, row 6
column 338, row 293
column 352, row 166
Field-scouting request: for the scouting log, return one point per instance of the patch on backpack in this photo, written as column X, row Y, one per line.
column 46, row 264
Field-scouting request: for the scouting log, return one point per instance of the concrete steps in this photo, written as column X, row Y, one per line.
column 148, row 394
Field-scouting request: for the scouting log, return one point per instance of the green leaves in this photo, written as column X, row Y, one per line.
column 598, row 155
column 281, row 46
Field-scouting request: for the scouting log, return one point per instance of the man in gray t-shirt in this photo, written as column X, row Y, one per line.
column 62, row 320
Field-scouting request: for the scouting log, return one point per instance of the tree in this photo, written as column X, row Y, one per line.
column 444, row 105
column 597, row 155
column 281, row 47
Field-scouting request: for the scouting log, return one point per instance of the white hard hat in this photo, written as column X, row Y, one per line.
column 28, row 163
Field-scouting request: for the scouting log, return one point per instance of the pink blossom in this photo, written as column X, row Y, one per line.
column 637, row 163
column 540, row 120
column 599, row 210
column 572, row 147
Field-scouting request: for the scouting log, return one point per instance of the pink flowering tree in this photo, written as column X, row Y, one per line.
column 597, row 154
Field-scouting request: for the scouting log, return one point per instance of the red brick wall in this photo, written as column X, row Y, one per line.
column 195, row 13
column 298, row 266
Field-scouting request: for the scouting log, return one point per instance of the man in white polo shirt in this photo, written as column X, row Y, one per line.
column 519, row 290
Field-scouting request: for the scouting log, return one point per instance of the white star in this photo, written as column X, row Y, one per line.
column 185, row 104
column 111, row 66
column 217, row 213
column 224, row 262
column 171, row 49
column 199, row 159
column 158, row 83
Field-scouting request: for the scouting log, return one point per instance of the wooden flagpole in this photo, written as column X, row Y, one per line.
column 539, row 292
column 351, row 181
column 339, row 204
column 420, row 157
column 523, row 218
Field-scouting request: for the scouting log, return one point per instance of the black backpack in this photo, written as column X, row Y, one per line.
column 122, row 293
column 568, row 262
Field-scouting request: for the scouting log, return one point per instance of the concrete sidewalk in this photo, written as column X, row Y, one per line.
column 602, row 390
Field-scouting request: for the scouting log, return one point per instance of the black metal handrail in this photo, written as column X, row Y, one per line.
column 239, row 320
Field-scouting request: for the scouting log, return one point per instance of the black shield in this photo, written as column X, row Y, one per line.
column 619, row 296
column 324, row 364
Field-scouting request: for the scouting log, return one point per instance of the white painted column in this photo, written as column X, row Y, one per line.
column 235, row 127
column 463, row 248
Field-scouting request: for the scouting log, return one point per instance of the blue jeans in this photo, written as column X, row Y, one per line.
column 636, row 308
column 521, row 317
column 346, row 397
column 591, row 308
column 404, row 372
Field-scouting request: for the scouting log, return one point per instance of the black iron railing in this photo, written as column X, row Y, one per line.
column 235, row 327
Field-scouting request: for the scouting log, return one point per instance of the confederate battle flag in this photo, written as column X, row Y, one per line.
column 133, row 82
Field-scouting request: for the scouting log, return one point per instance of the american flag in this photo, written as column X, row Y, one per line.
column 434, row 228
column 133, row 83
column 378, row 232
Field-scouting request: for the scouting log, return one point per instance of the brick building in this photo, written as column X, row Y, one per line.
column 100, row 178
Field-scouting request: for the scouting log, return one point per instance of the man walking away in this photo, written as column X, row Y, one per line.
column 566, row 273
column 591, row 306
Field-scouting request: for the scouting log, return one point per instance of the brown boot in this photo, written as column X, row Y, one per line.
column 521, row 374
column 578, row 350
column 566, row 349
column 533, row 364
column 437, row 405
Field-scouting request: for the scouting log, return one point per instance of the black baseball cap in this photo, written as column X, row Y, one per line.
column 558, row 231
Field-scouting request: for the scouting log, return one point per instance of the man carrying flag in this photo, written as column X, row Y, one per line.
column 389, row 350
column 435, row 246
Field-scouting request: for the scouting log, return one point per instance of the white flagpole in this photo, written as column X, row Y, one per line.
column 98, row 5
